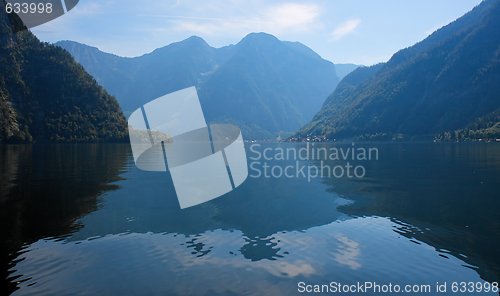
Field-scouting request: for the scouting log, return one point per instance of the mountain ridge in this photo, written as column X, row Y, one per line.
column 442, row 83
column 263, row 84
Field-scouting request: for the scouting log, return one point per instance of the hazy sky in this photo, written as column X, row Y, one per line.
column 354, row 31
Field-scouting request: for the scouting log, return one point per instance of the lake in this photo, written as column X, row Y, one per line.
column 80, row 219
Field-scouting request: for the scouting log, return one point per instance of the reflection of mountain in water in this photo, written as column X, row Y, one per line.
column 8, row 170
column 259, row 208
column 266, row 231
column 48, row 187
column 448, row 192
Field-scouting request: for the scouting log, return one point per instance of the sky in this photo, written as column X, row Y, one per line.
column 363, row 32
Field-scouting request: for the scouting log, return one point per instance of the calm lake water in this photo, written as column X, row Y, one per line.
column 82, row 220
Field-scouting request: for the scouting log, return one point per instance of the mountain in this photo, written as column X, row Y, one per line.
column 135, row 81
column 484, row 128
column 340, row 98
column 344, row 69
column 273, row 85
column 443, row 83
column 46, row 96
column 262, row 84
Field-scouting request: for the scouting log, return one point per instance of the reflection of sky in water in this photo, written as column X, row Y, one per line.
column 361, row 249
column 347, row 252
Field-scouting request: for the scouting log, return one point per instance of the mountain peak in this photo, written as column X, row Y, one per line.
column 192, row 43
column 259, row 38
column 195, row 40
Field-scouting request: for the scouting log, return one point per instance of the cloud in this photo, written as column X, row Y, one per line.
column 275, row 19
column 291, row 15
column 345, row 29
column 348, row 252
